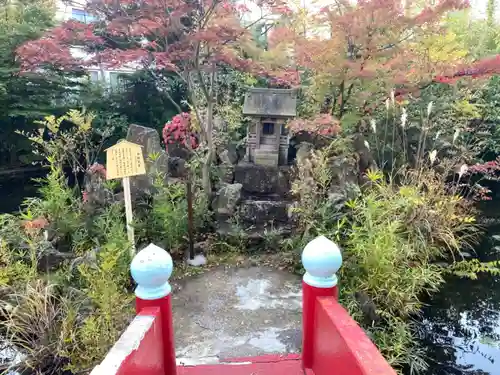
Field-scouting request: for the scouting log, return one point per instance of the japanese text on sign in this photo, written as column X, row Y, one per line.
column 124, row 160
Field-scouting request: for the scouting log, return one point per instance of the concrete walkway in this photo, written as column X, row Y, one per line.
column 236, row 312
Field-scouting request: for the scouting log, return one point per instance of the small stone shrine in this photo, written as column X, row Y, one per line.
column 267, row 141
column 257, row 199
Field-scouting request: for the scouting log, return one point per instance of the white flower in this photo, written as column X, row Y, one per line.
column 455, row 136
column 367, row 145
column 432, row 156
column 373, row 125
column 429, row 109
column 463, row 169
column 404, row 116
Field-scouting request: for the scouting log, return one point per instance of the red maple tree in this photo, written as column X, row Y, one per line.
column 185, row 38
column 353, row 55
column 371, row 48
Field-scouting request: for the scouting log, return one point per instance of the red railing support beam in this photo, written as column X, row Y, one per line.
column 310, row 295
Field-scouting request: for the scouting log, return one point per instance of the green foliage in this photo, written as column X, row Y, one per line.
column 396, row 233
column 68, row 318
column 13, row 271
column 316, row 174
column 391, row 237
column 78, row 144
column 57, row 204
column 487, row 100
column 480, row 37
column 139, row 100
column 232, row 86
column 38, row 320
column 470, row 111
column 104, row 284
column 165, row 220
column 25, row 98
column 471, row 268
column 443, row 124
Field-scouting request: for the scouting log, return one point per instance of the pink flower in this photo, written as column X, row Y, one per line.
column 97, row 168
column 177, row 131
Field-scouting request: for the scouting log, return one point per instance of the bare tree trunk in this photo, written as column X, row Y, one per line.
column 207, row 163
column 209, row 129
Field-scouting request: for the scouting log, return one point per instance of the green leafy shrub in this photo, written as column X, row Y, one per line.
column 67, row 318
column 73, row 320
column 397, row 231
column 319, row 175
column 72, row 139
column 392, row 236
column 104, row 283
column 13, row 270
column 57, row 203
column 164, row 220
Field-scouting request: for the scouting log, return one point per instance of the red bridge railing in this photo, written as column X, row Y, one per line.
column 333, row 343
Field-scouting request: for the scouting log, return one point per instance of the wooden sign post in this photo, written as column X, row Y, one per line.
column 125, row 160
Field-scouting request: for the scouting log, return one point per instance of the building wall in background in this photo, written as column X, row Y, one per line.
column 75, row 9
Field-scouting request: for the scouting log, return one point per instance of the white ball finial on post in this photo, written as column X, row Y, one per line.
column 151, row 269
column 321, row 259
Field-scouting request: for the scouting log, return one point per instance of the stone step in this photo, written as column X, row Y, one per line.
column 255, row 233
column 261, row 197
column 261, row 211
column 259, row 179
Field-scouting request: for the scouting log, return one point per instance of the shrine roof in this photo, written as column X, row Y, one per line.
column 270, row 102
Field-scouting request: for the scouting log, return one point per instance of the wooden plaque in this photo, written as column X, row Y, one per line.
column 124, row 159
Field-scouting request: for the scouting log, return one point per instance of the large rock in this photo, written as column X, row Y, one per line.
column 227, row 199
column 226, row 173
column 177, row 150
column 304, row 151
column 149, row 139
column 50, row 259
column 260, row 179
column 229, row 154
column 95, row 192
column 263, row 211
column 177, row 167
column 344, row 171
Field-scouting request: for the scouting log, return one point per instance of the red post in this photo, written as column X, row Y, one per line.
column 151, row 268
column 309, row 297
column 321, row 259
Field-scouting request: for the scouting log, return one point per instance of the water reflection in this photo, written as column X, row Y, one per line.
column 461, row 325
column 14, row 189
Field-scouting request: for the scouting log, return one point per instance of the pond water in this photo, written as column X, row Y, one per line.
column 14, row 188
column 461, row 324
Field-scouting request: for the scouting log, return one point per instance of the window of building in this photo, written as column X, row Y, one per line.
column 94, row 76
column 116, row 81
column 268, row 128
column 81, row 15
